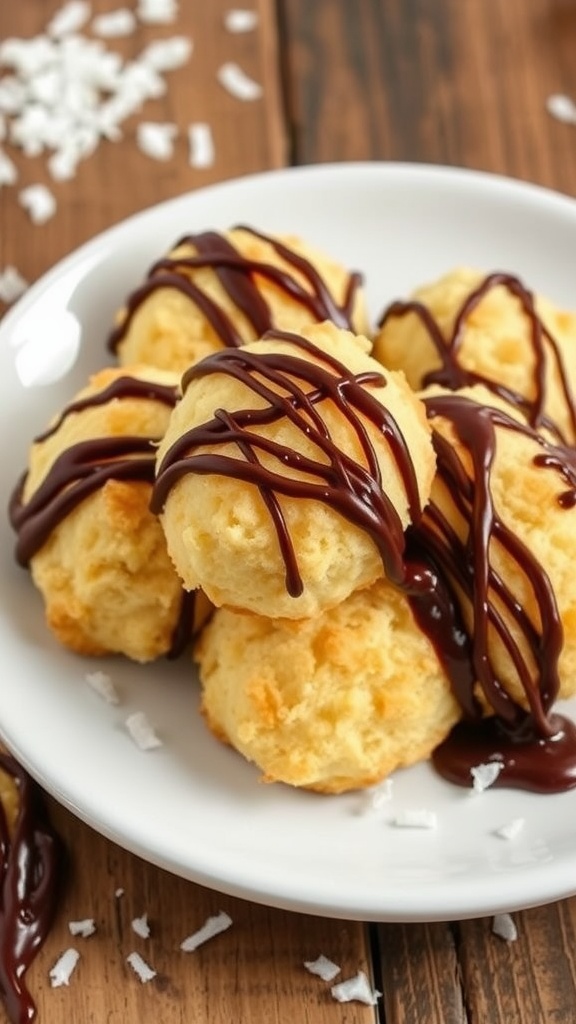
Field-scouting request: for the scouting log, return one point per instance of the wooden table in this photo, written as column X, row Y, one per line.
column 446, row 81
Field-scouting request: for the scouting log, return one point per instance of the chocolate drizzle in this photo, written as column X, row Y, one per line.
column 30, row 859
column 453, row 375
column 239, row 277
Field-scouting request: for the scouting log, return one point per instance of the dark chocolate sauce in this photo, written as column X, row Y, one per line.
column 239, row 276
column 453, row 375
column 30, row 860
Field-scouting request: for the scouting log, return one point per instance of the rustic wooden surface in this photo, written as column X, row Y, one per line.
column 445, row 81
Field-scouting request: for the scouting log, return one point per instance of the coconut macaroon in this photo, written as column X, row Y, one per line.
column 289, row 472
column 81, row 511
column 501, row 526
column 225, row 289
column 469, row 328
column 333, row 703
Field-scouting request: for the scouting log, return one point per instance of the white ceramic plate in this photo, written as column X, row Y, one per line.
column 193, row 806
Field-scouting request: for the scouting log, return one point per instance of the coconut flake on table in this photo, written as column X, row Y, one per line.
column 140, row 967
column 238, row 83
column 415, row 818
column 323, row 967
column 511, row 829
column 142, row 732
column 157, row 12
column 200, row 145
column 70, row 18
column 562, row 107
column 156, row 139
column 119, row 892
column 239, row 19
column 503, row 926
column 357, row 989
column 211, row 927
column 121, row 22
column 12, row 285
column 62, row 970
column 86, row 927
column 102, row 684
column 8, row 170
column 167, row 54
column 39, row 203
column 485, row 775
column 141, row 927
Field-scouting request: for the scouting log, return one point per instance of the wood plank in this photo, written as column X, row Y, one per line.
column 452, row 83
column 421, row 974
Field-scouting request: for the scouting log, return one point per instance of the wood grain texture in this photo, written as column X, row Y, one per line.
column 455, row 82
column 420, row 974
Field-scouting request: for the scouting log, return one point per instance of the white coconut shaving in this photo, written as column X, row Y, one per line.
column 156, row 139
column 503, row 926
column 211, row 927
column 142, row 732
column 200, row 145
column 121, row 22
column 323, row 967
column 562, row 108
column 140, row 967
column 167, row 54
column 62, row 970
column 415, row 818
column 102, row 684
column 8, row 170
column 12, row 285
column 70, row 18
column 239, row 19
column 141, row 927
column 485, row 775
column 374, row 798
column 119, row 892
column 39, row 203
column 85, row 928
column 511, row 829
column 238, row 83
column 157, row 12
column 357, row 989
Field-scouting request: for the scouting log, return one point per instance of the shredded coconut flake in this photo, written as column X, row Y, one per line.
column 121, row 22
column 140, row 967
column 12, row 285
column 485, row 775
column 39, row 203
column 103, row 686
column 70, row 18
column 417, row 818
column 61, row 972
column 503, row 926
column 8, row 171
column 167, row 54
column 323, row 967
column 157, row 12
column 374, row 798
column 85, row 928
column 156, row 139
column 213, row 926
column 119, row 892
column 563, row 108
column 141, row 927
column 357, row 989
column 142, row 732
column 511, row 829
column 240, row 20
column 238, row 83
column 200, row 145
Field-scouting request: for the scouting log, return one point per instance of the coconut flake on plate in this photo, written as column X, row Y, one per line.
column 156, row 139
column 323, row 967
column 141, row 927
column 503, row 926
column 485, row 775
column 62, row 970
column 511, row 829
column 238, row 83
column 86, row 927
column 357, row 989
column 39, row 203
column 142, row 732
column 211, row 927
column 200, row 145
column 12, row 284
column 140, row 967
column 415, row 818
column 102, row 684
column 121, row 22
column 239, row 19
